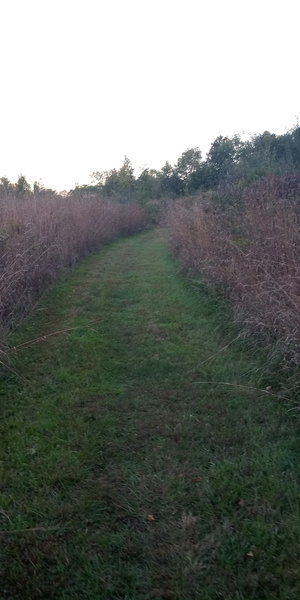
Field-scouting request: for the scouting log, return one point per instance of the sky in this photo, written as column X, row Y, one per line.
column 85, row 82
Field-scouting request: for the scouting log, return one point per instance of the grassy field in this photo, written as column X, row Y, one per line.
column 128, row 474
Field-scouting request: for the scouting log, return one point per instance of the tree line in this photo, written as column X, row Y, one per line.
column 22, row 188
column 229, row 160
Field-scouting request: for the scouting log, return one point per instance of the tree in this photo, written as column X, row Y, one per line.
column 6, row 187
column 148, row 185
column 170, row 181
column 221, row 157
column 38, row 188
column 117, row 183
column 126, row 180
column 295, row 139
column 22, row 186
column 99, row 177
column 187, row 165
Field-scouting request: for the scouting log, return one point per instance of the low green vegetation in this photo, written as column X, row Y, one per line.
column 131, row 469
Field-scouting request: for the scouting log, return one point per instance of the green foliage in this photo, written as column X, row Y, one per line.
column 116, row 183
column 148, row 186
column 187, row 166
column 221, row 157
column 39, row 189
column 6, row 187
column 170, row 181
column 229, row 161
column 22, row 186
column 295, row 146
column 122, row 417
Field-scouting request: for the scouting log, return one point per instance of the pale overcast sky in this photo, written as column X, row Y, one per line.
column 84, row 82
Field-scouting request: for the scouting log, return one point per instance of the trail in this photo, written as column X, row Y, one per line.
column 128, row 473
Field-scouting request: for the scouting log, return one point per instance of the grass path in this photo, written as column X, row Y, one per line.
column 124, row 477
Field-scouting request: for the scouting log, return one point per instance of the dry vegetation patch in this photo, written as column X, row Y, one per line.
column 248, row 240
column 41, row 236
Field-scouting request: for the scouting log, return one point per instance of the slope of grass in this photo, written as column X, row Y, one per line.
column 125, row 475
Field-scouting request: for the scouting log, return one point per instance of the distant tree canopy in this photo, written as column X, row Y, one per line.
column 118, row 184
column 22, row 188
column 229, row 160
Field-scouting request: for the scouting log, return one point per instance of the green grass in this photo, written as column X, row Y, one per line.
column 124, row 478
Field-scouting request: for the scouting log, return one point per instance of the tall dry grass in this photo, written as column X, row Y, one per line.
column 252, row 248
column 39, row 237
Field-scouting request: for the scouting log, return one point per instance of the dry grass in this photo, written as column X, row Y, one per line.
column 39, row 237
column 251, row 247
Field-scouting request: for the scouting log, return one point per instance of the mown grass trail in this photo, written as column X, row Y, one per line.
column 124, row 477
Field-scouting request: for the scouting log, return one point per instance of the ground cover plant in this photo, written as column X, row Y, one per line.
column 43, row 233
column 246, row 241
column 148, row 454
